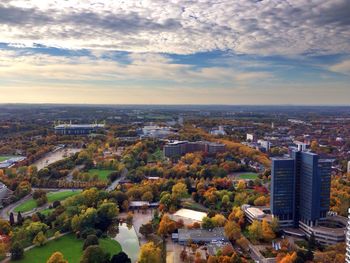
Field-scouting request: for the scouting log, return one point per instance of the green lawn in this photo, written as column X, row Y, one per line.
column 69, row 246
column 250, row 176
column 53, row 196
column 4, row 158
column 102, row 174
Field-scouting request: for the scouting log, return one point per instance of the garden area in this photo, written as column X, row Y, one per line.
column 246, row 176
column 4, row 158
column 51, row 197
column 69, row 246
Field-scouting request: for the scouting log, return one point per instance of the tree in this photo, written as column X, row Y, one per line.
column 121, row 257
column 166, row 226
column 12, row 219
column 35, row 227
column 219, row 220
column 255, row 230
column 57, row 235
column 147, row 196
column 260, row 201
column 267, row 232
column 232, row 230
column 56, row 257
column 289, row 258
column 150, row 253
column 179, row 190
column 19, row 219
column 94, row 254
column 275, row 225
column 146, row 229
column 207, row 223
column 40, row 239
column 91, row 240
column 5, row 227
column 16, row 251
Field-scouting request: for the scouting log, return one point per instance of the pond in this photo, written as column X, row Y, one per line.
column 129, row 241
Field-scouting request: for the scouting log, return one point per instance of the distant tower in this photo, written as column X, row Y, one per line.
column 348, row 167
column 272, row 125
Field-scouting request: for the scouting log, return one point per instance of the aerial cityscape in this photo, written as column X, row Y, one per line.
column 174, row 131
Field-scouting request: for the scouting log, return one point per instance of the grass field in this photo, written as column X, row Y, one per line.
column 69, row 246
column 4, row 158
column 54, row 196
column 102, row 174
column 250, row 176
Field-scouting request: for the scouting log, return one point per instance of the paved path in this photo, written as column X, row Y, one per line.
column 114, row 184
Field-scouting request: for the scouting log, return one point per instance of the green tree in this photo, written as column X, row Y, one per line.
column 16, row 251
column 90, row 240
column 94, row 254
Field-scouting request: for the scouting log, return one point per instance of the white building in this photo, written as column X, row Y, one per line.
column 250, row 137
column 348, row 166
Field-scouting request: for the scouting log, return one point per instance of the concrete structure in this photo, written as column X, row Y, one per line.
column 216, row 235
column 347, row 255
column 77, row 129
column 348, row 170
column 256, row 213
column 179, row 148
column 188, row 216
column 154, row 131
column 300, row 196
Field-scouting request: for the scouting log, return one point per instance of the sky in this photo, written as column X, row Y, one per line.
column 252, row 52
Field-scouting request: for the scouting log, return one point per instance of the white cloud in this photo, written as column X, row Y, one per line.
column 341, row 67
column 183, row 27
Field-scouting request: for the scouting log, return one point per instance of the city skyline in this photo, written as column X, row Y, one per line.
column 246, row 52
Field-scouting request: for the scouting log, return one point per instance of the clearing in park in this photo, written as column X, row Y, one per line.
column 51, row 197
column 102, row 174
column 69, row 246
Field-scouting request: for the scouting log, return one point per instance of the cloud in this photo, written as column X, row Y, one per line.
column 181, row 27
column 19, row 66
column 341, row 67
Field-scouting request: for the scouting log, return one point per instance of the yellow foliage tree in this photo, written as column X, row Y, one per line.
column 150, row 253
column 56, row 257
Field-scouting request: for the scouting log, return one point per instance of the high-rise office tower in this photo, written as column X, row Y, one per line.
column 300, row 188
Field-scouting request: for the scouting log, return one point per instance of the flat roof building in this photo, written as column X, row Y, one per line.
column 77, row 129
column 179, row 148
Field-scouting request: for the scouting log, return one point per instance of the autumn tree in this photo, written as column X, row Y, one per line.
column 232, row 230
column 179, row 190
column 40, row 239
column 94, row 254
column 267, row 232
column 166, row 226
column 150, row 253
column 56, row 257
column 255, row 231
